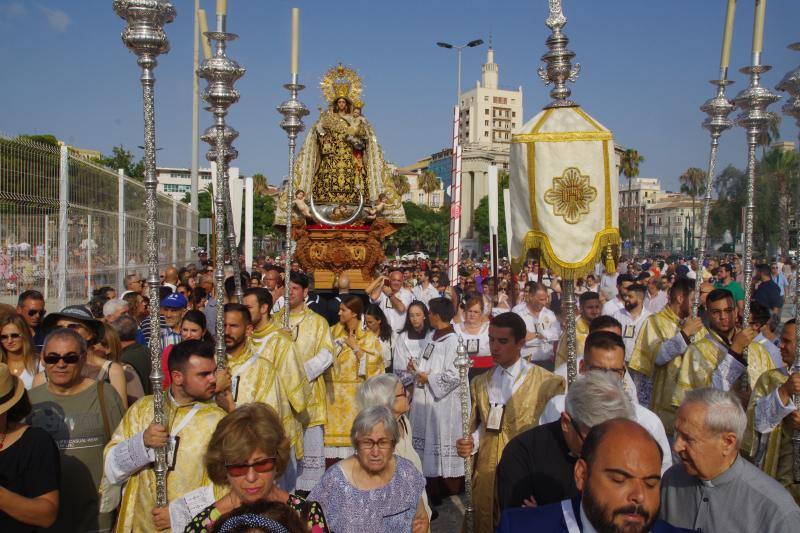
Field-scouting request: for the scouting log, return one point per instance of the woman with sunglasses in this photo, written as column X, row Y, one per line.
column 248, row 452
column 16, row 349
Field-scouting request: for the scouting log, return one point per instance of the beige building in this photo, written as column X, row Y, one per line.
column 634, row 197
column 672, row 225
column 489, row 114
column 177, row 181
column 434, row 199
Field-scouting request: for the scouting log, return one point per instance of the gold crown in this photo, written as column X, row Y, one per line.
column 341, row 82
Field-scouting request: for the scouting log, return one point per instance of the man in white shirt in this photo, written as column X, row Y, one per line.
column 610, row 281
column 424, row 291
column 393, row 299
column 604, row 352
column 656, row 297
column 617, row 303
column 632, row 316
column 542, row 325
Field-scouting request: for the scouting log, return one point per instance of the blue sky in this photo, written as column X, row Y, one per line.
column 645, row 71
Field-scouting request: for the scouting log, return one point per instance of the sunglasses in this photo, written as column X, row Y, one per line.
column 263, row 466
column 34, row 312
column 10, row 336
column 73, row 326
column 68, row 358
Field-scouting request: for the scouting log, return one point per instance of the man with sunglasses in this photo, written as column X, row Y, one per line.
column 190, row 419
column 80, row 414
column 718, row 360
column 30, row 306
column 605, row 352
column 537, row 465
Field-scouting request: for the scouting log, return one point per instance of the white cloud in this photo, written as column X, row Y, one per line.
column 57, row 19
column 11, row 11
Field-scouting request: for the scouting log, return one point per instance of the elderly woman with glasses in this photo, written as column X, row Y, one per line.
column 248, row 452
column 374, row 489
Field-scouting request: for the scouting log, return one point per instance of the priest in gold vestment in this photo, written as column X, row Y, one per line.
column 772, row 417
column 717, row 360
column 314, row 347
column 272, row 375
column 590, row 308
column 505, row 402
column 191, row 416
column 659, row 348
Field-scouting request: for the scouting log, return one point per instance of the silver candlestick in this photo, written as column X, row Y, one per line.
column 717, row 108
column 293, row 111
column 230, row 134
column 144, row 36
column 559, row 71
column 791, row 84
column 754, row 118
column 463, row 363
column 221, row 72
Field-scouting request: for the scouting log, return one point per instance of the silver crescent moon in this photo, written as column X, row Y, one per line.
column 348, row 220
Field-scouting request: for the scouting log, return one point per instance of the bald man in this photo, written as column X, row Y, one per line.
column 171, row 278
column 619, row 478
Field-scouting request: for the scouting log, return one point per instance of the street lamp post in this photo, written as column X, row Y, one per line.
column 471, row 44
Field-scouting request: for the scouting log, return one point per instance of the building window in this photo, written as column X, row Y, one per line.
column 513, row 124
column 485, row 98
column 485, row 122
column 485, row 133
column 435, row 200
column 421, row 198
column 485, row 111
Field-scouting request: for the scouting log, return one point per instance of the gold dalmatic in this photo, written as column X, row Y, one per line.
column 138, row 497
column 342, row 380
column 581, row 332
column 521, row 413
column 311, row 335
column 776, row 446
column 275, row 378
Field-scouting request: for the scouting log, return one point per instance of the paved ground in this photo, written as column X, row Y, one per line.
column 451, row 514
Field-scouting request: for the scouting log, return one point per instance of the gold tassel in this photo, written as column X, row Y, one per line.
column 610, row 266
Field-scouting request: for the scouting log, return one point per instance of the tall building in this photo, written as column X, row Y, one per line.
column 634, row 198
column 176, row 181
column 673, row 224
column 488, row 115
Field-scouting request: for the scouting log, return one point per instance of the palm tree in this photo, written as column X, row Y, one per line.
column 260, row 185
column 400, row 182
column 770, row 134
column 781, row 166
column 629, row 167
column 428, row 182
column 693, row 183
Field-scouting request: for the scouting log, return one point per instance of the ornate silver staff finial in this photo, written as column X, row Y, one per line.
column 791, row 84
column 559, row 68
column 221, row 73
column 754, row 118
column 144, row 36
column 717, row 108
column 293, row 111
column 462, row 363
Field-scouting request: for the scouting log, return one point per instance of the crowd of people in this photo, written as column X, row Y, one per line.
column 350, row 419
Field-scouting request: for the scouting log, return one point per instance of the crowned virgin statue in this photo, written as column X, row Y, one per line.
column 340, row 173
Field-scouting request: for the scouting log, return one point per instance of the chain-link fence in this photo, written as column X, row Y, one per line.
column 69, row 225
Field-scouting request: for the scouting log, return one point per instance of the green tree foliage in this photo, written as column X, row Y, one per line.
column 122, row 158
column 482, row 215
column 427, row 230
column 401, row 185
column 48, row 139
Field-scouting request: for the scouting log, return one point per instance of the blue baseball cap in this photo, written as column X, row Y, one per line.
column 175, row 300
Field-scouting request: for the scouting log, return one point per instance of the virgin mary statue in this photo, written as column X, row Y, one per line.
column 340, row 172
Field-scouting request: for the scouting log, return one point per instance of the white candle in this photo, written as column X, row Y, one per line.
column 295, row 39
column 758, row 26
column 201, row 15
column 725, row 59
column 222, row 7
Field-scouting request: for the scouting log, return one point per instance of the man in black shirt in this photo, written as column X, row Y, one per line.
column 537, row 466
column 768, row 293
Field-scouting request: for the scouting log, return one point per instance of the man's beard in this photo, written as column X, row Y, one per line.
column 603, row 519
column 630, row 306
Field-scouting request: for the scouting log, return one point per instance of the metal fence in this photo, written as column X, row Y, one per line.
column 69, row 225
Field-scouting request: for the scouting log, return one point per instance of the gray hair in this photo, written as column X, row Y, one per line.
column 370, row 417
column 596, row 397
column 126, row 327
column 113, row 306
column 377, row 390
column 724, row 413
column 68, row 334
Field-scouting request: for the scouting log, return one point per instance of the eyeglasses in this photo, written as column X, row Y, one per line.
column 263, row 466
column 74, row 326
column 369, row 444
column 576, row 428
column 10, row 336
column 618, row 371
column 69, row 358
column 34, row 312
